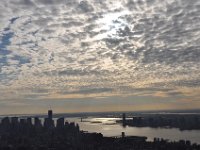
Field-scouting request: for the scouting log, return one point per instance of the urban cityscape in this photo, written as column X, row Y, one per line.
column 31, row 134
column 182, row 122
column 99, row 74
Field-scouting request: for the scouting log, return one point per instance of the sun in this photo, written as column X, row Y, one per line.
column 111, row 23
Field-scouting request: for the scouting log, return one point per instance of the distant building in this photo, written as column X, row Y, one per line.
column 137, row 120
column 22, row 121
column 14, row 120
column 60, row 122
column 37, row 122
column 50, row 114
column 49, row 122
column 5, row 121
column 77, row 127
column 123, row 134
column 124, row 119
column 14, row 124
column 29, row 121
column 66, row 123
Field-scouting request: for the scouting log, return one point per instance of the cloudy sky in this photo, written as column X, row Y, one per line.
column 99, row 55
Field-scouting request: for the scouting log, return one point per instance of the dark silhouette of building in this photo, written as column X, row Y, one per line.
column 182, row 122
column 37, row 122
column 5, row 121
column 60, row 123
column 25, row 135
column 123, row 134
column 49, row 122
column 5, row 124
column 124, row 119
column 29, row 121
column 50, row 114
column 14, row 120
column 22, row 121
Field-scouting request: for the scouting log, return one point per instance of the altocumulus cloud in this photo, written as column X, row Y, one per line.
column 128, row 47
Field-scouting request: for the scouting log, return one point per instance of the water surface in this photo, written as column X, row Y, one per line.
column 108, row 127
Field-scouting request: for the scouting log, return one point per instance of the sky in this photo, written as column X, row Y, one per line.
column 99, row 55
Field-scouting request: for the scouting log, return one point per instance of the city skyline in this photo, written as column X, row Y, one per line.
column 96, row 56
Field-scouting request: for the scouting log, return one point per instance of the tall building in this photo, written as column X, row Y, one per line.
column 49, row 122
column 29, row 121
column 124, row 119
column 50, row 114
column 14, row 124
column 5, row 124
column 14, row 120
column 60, row 123
column 123, row 134
column 5, row 121
column 22, row 121
column 37, row 122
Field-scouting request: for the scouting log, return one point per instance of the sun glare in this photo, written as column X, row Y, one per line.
column 111, row 23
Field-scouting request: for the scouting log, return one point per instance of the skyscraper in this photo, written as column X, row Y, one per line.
column 50, row 114
column 124, row 119
column 60, row 123
column 37, row 122
column 29, row 121
column 49, row 122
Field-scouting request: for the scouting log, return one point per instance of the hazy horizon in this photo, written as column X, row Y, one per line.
column 103, row 113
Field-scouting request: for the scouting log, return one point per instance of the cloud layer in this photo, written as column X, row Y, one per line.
column 62, row 49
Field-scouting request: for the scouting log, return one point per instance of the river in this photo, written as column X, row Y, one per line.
column 108, row 127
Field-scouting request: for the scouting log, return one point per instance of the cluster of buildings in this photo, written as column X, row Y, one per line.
column 15, row 123
column 182, row 122
column 35, row 134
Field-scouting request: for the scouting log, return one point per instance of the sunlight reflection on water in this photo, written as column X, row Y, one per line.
column 107, row 127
